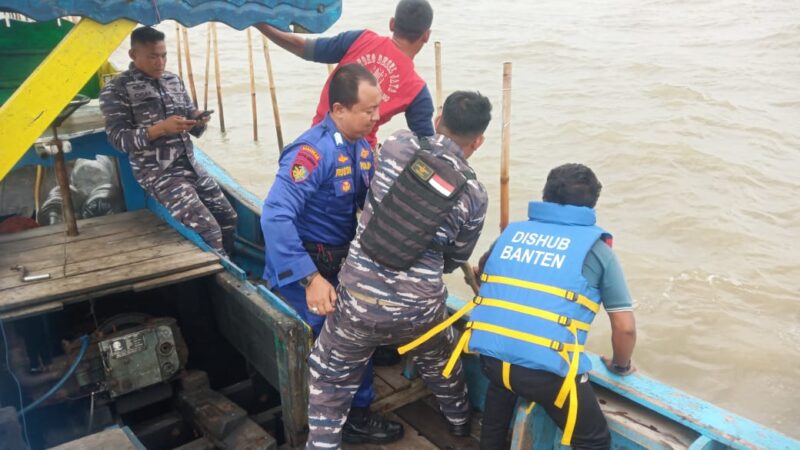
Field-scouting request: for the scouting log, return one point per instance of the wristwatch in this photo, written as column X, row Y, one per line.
column 306, row 280
column 620, row 369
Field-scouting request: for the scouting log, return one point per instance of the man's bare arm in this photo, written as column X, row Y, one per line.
column 623, row 340
column 288, row 41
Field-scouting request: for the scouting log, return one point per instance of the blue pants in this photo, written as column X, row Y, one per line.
column 296, row 296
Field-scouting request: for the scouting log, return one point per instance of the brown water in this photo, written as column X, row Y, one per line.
column 688, row 110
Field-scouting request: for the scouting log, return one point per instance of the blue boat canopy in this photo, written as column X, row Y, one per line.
column 315, row 16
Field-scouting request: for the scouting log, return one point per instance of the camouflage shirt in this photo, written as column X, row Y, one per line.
column 421, row 285
column 133, row 101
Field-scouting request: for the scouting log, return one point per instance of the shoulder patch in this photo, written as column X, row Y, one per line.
column 364, row 153
column 343, row 159
column 305, row 162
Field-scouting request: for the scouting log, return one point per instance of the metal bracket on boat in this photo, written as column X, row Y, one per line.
column 51, row 148
column 27, row 277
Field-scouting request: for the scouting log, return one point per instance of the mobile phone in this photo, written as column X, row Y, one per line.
column 206, row 113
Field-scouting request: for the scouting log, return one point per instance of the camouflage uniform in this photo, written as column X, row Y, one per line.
column 379, row 306
column 166, row 168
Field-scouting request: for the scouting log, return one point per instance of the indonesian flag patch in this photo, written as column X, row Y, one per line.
column 441, row 186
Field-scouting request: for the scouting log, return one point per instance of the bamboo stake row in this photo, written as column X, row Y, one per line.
column 217, row 77
column 273, row 95
column 189, row 65
column 252, row 84
column 505, row 142
column 178, row 45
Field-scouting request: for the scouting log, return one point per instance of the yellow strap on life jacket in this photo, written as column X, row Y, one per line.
column 440, row 327
column 507, row 376
column 536, row 312
column 557, row 291
column 559, row 347
column 530, row 407
column 572, row 415
column 462, row 343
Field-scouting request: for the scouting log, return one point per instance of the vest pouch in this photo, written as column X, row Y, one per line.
column 405, row 222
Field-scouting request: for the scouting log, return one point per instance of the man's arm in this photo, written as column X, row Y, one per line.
column 419, row 114
column 288, row 41
column 283, row 206
column 123, row 134
column 623, row 339
column 602, row 265
column 457, row 254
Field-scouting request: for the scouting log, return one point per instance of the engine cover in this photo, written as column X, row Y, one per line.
column 142, row 356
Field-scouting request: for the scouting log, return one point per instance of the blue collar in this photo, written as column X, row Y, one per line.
column 563, row 214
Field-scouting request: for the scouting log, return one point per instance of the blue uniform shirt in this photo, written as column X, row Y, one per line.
column 321, row 183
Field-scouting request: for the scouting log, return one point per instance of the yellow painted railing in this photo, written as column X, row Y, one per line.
column 34, row 106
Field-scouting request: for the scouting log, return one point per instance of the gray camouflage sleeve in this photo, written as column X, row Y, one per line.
column 459, row 252
column 123, row 134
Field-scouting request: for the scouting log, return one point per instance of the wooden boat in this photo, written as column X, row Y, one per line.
column 233, row 374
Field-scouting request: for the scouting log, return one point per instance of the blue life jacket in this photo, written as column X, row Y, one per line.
column 537, row 265
column 534, row 307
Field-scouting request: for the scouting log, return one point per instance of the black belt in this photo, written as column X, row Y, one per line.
column 327, row 258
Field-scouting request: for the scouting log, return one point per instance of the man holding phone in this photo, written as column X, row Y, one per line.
column 149, row 116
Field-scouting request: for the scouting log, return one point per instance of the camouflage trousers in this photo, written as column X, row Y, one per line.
column 197, row 201
column 348, row 339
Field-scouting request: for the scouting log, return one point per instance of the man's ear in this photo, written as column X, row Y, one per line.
column 337, row 108
column 436, row 121
column 478, row 142
column 132, row 53
column 391, row 24
column 426, row 36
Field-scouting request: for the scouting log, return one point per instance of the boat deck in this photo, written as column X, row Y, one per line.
column 132, row 251
column 410, row 403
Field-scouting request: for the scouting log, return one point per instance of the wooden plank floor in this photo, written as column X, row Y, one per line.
column 128, row 251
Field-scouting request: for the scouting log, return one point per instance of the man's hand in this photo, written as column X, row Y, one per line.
column 170, row 125
column 320, row 296
column 200, row 118
column 613, row 368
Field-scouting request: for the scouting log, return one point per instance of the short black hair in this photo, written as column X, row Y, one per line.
column 572, row 184
column 412, row 18
column 344, row 84
column 466, row 114
column 146, row 35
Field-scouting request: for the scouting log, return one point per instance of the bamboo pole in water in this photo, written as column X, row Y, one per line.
column 178, row 44
column 216, row 77
column 252, row 84
column 505, row 140
column 189, row 65
column 438, row 57
column 208, row 67
column 273, row 95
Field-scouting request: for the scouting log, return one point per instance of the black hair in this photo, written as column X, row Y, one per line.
column 466, row 114
column 344, row 84
column 412, row 18
column 146, row 35
column 572, row 184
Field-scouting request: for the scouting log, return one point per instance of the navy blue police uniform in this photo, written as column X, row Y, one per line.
column 309, row 217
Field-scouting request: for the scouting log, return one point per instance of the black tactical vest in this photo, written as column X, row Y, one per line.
column 405, row 222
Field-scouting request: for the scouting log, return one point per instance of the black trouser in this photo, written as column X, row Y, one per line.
column 591, row 429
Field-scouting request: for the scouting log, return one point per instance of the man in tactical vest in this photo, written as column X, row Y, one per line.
column 423, row 216
column 390, row 59
column 541, row 286
column 309, row 218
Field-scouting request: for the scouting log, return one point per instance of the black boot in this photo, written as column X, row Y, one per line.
column 364, row 426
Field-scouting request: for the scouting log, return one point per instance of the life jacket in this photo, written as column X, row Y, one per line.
column 534, row 308
column 404, row 223
column 394, row 70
